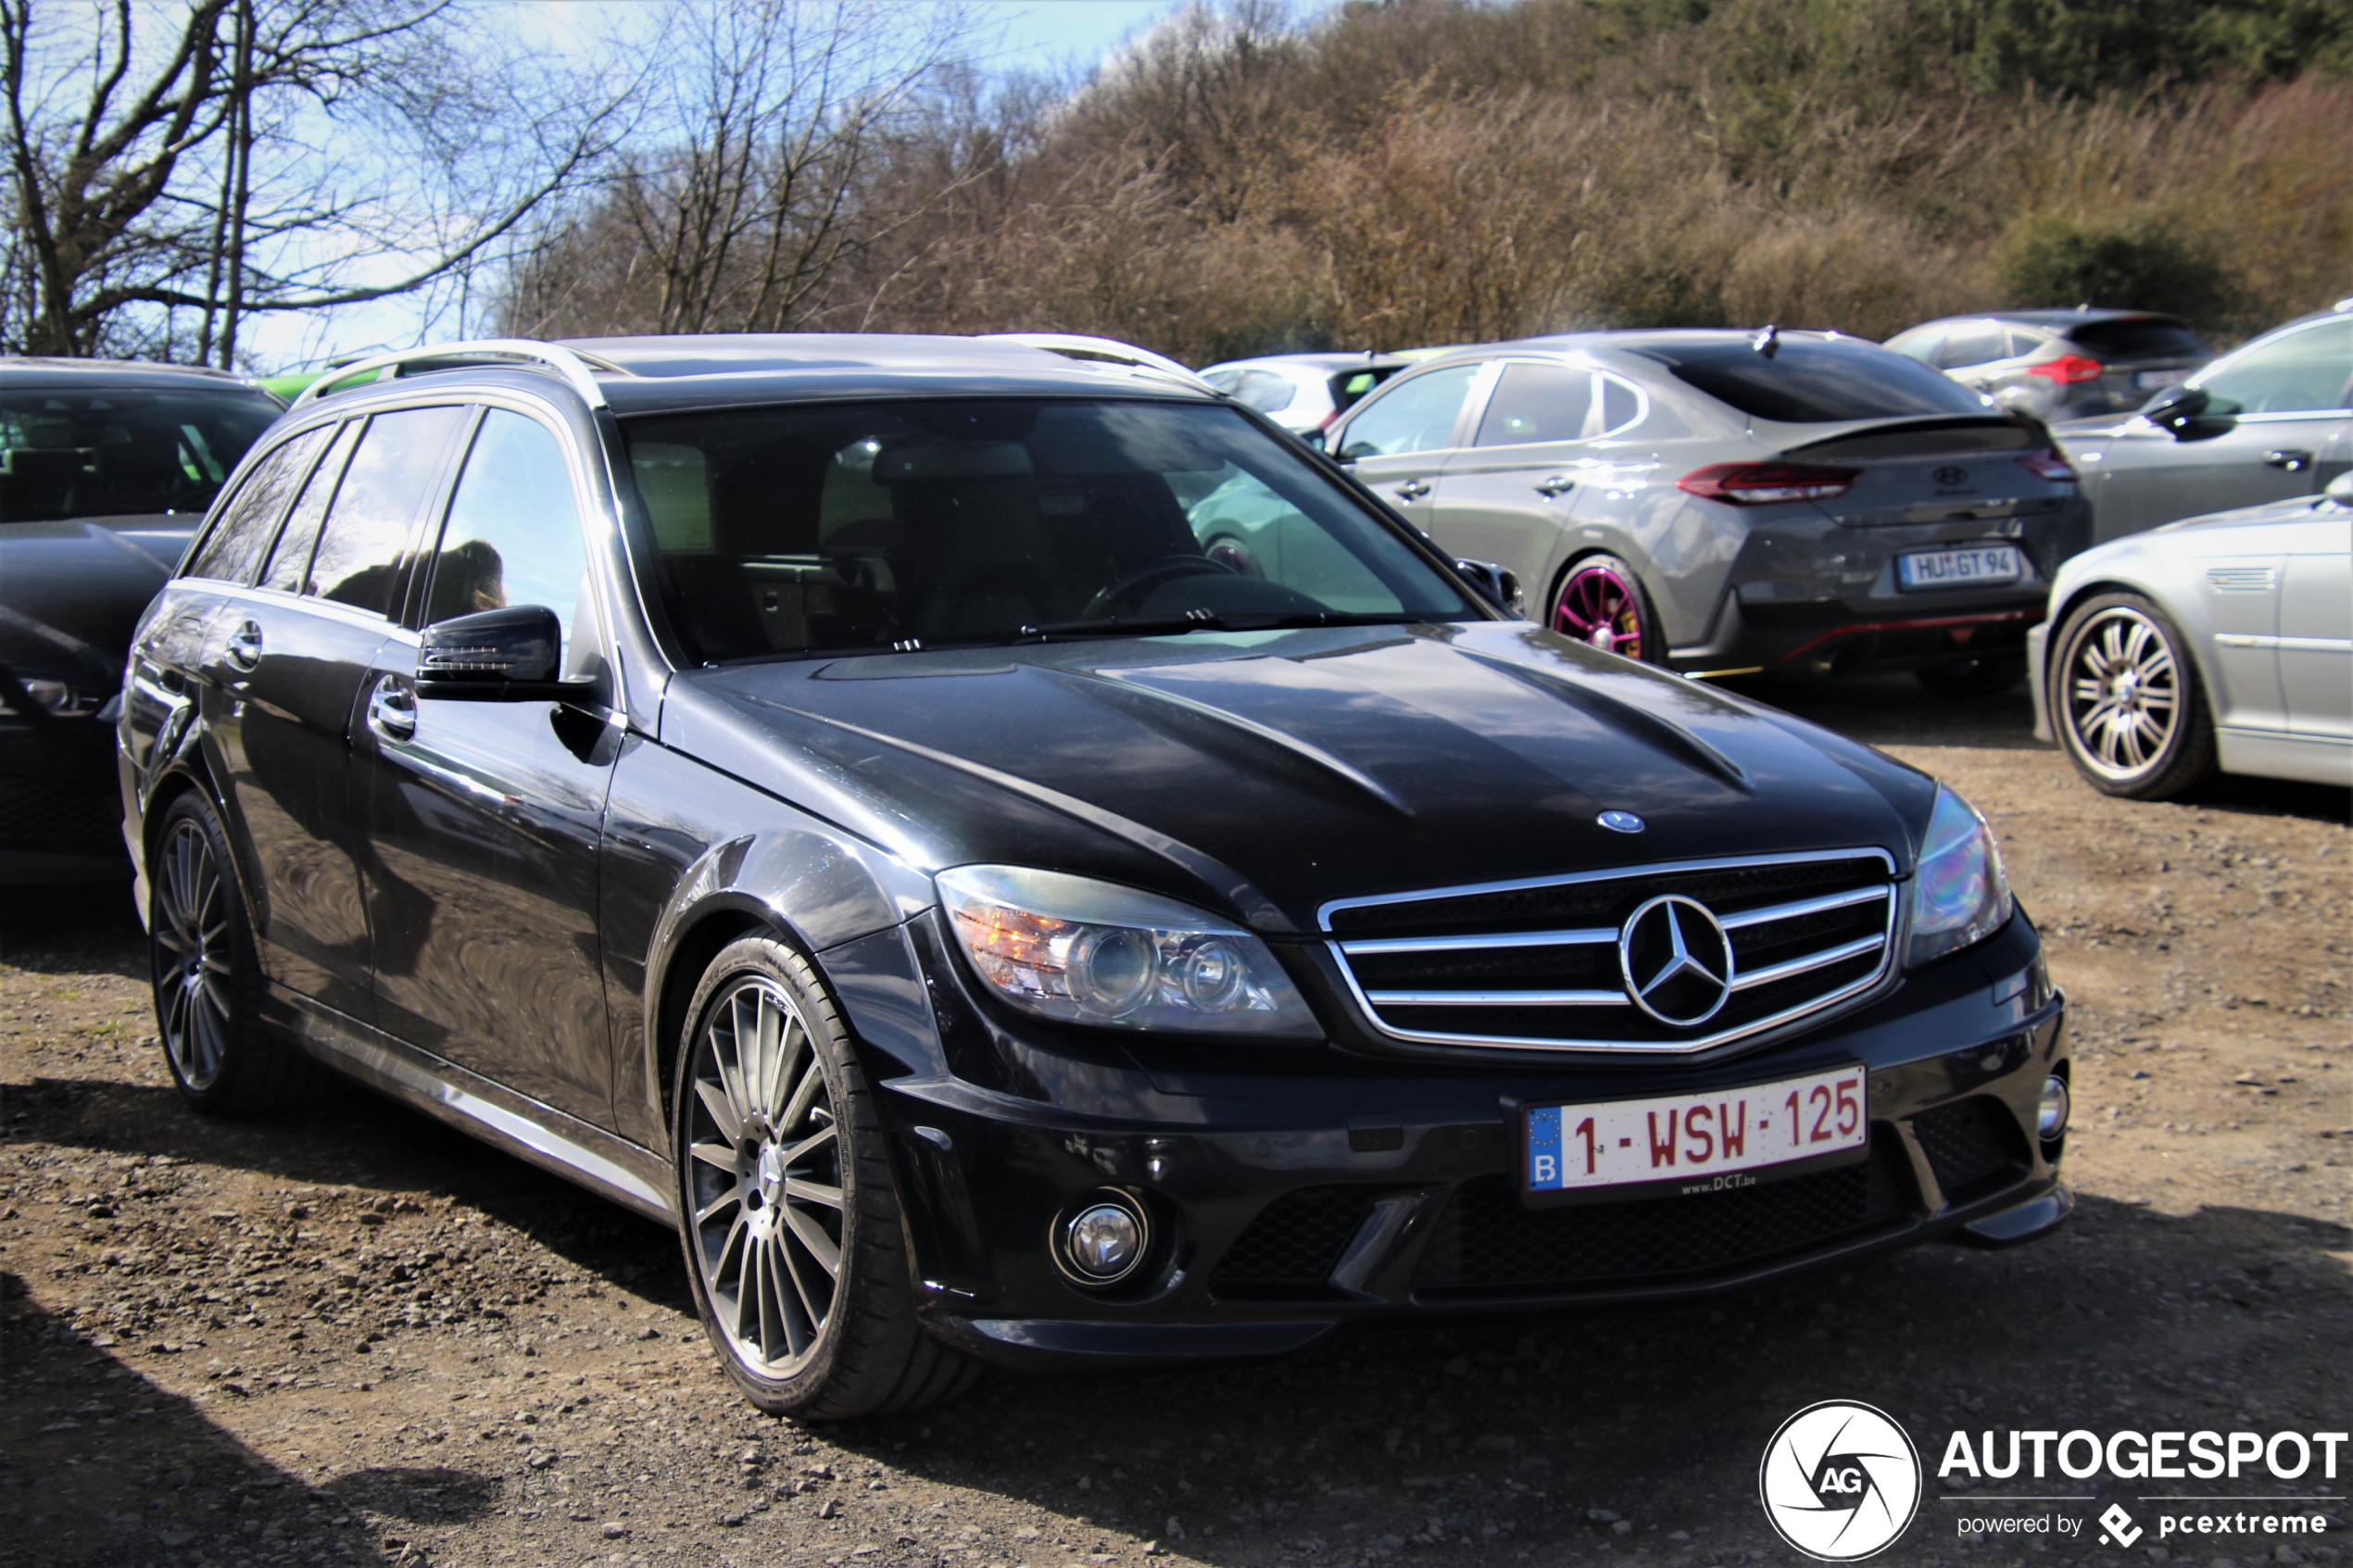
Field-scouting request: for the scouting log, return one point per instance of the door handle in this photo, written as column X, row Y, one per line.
column 1555, row 484
column 2294, row 461
column 1414, row 489
column 391, row 708
column 244, row 646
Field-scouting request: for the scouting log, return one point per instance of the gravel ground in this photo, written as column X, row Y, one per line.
column 351, row 1335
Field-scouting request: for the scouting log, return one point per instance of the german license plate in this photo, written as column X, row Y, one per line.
column 2149, row 381
column 1963, row 568
column 1709, row 1142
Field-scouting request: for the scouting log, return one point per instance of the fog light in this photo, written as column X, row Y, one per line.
column 2050, row 1117
column 1104, row 1241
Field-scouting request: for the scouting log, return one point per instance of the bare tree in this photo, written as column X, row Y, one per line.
column 201, row 158
column 776, row 122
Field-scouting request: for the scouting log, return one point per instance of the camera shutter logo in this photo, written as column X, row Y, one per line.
column 1841, row 1481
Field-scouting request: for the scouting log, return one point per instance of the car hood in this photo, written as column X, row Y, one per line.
column 1268, row 773
column 72, row 591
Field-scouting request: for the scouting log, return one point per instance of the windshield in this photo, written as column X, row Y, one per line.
column 68, row 452
column 779, row 531
column 1813, row 382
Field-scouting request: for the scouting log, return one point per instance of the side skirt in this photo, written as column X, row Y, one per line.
column 611, row 1167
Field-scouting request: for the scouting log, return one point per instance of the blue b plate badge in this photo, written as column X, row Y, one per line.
column 1713, row 1141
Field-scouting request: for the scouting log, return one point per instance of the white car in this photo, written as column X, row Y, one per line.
column 1302, row 392
column 2221, row 641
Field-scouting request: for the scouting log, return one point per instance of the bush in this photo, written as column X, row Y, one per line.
column 2148, row 262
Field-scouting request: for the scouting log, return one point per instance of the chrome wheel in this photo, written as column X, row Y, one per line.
column 765, row 1178
column 193, row 956
column 2123, row 692
column 1601, row 605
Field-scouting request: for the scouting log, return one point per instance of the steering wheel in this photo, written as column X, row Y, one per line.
column 1166, row 568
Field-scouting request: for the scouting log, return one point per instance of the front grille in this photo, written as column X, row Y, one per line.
column 1974, row 1146
column 1535, row 965
column 64, row 815
column 1297, row 1239
column 1487, row 1241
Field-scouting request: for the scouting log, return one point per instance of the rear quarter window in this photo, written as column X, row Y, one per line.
column 1813, row 383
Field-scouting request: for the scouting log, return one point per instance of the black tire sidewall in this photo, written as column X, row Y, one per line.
column 241, row 1045
column 2187, row 755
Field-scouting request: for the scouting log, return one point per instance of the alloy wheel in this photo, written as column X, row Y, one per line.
column 193, row 968
column 765, row 1178
column 1600, row 606
column 2123, row 692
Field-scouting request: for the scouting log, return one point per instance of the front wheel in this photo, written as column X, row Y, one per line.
column 2125, row 699
column 791, row 1225
column 1601, row 603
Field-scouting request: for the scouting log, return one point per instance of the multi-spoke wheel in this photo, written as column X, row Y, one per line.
column 1601, row 603
column 791, row 1226
column 2126, row 701
column 207, row 976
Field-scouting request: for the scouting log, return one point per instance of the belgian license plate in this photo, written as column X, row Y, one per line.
column 2149, row 381
column 1963, row 568
column 1710, row 1142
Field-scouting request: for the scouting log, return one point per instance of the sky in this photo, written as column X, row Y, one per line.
column 1039, row 35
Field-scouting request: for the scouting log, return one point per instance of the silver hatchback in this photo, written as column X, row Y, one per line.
column 1727, row 502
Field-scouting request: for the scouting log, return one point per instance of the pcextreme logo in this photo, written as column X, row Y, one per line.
column 1840, row 1480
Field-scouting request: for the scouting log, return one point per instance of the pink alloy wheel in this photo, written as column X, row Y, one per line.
column 1600, row 606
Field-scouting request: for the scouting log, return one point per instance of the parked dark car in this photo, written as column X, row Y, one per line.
column 2270, row 420
column 105, row 470
column 821, row 793
column 2060, row 364
column 1725, row 502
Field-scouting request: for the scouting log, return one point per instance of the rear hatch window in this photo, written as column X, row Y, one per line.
column 2146, row 339
column 1815, row 383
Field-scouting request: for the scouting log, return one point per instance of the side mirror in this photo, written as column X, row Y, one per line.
column 2175, row 409
column 1497, row 586
column 495, row 655
column 2340, row 489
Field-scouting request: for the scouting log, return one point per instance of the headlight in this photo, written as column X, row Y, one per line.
column 1083, row 951
column 1960, row 895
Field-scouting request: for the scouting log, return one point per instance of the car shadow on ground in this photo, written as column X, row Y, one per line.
column 98, row 1466
column 1556, row 1427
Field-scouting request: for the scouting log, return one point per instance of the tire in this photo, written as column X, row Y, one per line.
column 1601, row 603
column 205, row 973
column 2125, row 699
column 792, row 1235
column 1972, row 674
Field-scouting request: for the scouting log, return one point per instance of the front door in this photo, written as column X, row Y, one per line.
column 483, row 817
column 282, row 668
column 1398, row 440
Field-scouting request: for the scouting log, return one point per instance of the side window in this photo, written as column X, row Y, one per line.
column 2023, row 342
column 512, row 536
column 1266, row 391
column 235, row 545
column 290, row 557
column 1536, row 402
column 1622, row 404
column 1922, row 345
column 2302, row 372
column 1972, row 342
column 358, row 561
column 1411, row 416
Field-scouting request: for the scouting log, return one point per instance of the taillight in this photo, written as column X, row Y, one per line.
column 2067, row 370
column 2050, row 463
column 1761, row 484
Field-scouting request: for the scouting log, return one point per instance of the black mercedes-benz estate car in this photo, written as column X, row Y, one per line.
column 821, row 793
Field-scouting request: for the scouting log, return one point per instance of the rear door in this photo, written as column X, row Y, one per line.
column 1399, row 439
column 283, row 666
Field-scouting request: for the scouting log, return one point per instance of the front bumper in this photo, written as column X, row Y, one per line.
column 1292, row 1190
column 60, row 807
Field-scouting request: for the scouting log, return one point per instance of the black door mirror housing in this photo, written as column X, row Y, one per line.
column 2176, row 408
column 495, row 655
column 1497, row 586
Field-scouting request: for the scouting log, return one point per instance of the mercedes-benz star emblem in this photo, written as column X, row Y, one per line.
column 1677, row 960
column 1620, row 821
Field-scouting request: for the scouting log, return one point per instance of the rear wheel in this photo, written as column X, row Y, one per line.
column 2126, row 701
column 792, row 1234
column 207, row 973
column 1601, row 603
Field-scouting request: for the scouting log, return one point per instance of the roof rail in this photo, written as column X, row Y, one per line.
column 1102, row 350
column 575, row 367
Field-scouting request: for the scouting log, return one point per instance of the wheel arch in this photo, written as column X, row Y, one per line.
column 2057, row 614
